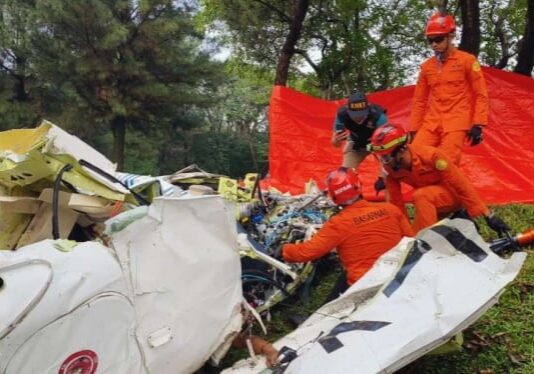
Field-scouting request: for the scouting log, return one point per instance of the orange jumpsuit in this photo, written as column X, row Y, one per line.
column 440, row 187
column 443, row 110
column 361, row 232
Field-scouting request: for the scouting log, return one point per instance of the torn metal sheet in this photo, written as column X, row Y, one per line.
column 28, row 156
column 184, row 272
column 150, row 186
column 61, row 142
column 93, row 206
column 66, row 302
column 40, row 226
column 163, row 298
column 439, row 286
column 19, row 204
column 193, row 174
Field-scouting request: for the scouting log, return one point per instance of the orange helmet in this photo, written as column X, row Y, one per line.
column 386, row 139
column 440, row 24
column 344, row 186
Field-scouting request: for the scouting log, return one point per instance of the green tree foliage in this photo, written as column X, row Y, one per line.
column 502, row 23
column 20, row 94
column 347, row 44
column 266, row 31
column 137, row 79
column 126, row 64
column 366, row 44
column 234, row 139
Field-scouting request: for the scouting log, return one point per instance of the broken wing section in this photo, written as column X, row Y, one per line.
column 445, row 280
column 57, row 302
column 183, row 267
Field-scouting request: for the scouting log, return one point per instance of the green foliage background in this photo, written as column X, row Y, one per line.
column 147, row 83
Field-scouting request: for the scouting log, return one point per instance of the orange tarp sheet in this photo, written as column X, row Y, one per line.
column 501, row 167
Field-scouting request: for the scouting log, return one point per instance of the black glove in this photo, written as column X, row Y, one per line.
column 380, row 185
column 496, row 224
column 475, row 135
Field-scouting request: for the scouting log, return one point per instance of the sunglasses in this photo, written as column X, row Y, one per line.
column 385, row 159
column 436, row 39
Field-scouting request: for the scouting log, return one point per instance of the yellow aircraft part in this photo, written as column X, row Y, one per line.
column 78, row 178
column 250, row 180
column 37, row 166
column 230, row 189
column 12, row 225
column 26, row 165
column 22, row 141
column 27, row 171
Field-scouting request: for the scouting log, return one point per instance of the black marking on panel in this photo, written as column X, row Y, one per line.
column 415, row 253
column 459, row 241
column 331, row 343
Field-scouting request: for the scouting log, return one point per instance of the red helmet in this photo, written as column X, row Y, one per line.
column 387, row 139
column 440, row 24
column 344, row 186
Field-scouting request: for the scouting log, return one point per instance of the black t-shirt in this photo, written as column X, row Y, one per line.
column 360, row 134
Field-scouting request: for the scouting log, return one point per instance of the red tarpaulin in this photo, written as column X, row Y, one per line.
column 501, row 167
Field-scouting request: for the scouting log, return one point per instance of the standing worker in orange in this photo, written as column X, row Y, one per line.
column 451, row 99
column 361, row 232
column 440, row 187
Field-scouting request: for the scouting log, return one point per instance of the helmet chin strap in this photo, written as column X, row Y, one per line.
column 396, row 159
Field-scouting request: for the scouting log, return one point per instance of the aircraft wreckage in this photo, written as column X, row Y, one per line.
column 106, row 272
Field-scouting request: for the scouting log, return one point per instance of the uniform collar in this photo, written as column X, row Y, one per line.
column 452, row 54
column 359, row 203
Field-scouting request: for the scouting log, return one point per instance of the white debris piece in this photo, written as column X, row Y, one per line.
column 445, row 281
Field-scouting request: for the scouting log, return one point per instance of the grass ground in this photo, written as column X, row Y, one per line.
column 502, row 341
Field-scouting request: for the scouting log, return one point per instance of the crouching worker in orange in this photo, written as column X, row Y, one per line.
column 440, row 187
column 362, row 231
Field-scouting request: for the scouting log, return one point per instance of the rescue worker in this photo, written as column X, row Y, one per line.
column 355, row 122
column 440, row 186
column 451, row 99
column 362, row 231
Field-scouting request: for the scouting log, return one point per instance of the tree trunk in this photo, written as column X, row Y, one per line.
column 525, row 59
column 118, row 126
column 470, row 26
column 19, row 89
column 299, row 10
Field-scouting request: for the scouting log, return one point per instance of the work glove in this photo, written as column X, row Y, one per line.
column 475, row 135
column 379, row 185
column 496, row 224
